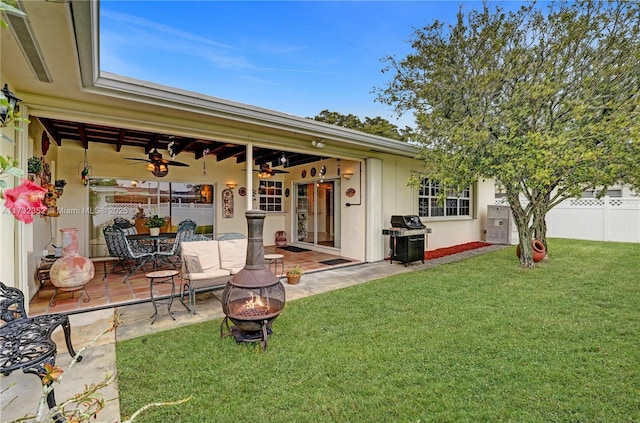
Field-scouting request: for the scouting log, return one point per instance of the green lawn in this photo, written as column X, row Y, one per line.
column 480, row 340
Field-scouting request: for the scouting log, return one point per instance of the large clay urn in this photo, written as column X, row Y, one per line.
column 72, row 271
column 539, row 252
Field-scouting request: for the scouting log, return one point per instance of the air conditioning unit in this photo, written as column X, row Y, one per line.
column 501, row 229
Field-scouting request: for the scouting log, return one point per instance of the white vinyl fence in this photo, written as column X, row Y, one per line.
column 605, row 219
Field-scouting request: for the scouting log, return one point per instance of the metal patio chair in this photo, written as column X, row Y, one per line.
column 129, row 228
column 170, row 251
column 129, row 258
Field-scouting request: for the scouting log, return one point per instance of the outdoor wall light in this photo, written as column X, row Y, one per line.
column 231, row 185
column 11, row 103
column 348, row 175
column 318, row 143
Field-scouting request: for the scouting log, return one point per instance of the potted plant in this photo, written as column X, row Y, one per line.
column 154, row 223
column 294, row 274
column 34, row 165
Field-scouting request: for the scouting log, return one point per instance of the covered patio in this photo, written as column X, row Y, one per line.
column 114, row 291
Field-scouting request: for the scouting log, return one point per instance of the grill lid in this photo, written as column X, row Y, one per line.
column 407, row 222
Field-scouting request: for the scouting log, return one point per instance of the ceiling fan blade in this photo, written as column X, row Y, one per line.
column 172, row 163
column 140, row 160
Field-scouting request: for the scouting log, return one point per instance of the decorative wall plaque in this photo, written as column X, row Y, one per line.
column 227, row 203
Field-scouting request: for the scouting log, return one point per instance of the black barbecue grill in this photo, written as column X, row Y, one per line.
column 407, row 238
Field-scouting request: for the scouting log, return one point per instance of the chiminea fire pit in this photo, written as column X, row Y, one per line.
column 254, row 297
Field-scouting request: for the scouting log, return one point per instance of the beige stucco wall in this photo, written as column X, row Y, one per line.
column 8, row 224
column 400, row 199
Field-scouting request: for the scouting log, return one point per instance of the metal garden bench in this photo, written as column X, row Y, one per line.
column 25, row 342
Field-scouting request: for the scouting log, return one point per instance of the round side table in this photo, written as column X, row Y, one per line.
column 157, row 278
column 275, row 259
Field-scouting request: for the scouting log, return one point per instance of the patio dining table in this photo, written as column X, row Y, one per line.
column 156, row 240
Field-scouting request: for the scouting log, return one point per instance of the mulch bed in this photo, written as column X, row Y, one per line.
column 441, row 252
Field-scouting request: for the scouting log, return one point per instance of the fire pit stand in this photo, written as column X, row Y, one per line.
column 254, row 297
column 252, row 336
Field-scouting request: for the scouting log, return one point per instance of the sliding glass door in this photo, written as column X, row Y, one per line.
column 133, row 200
column 317, row 217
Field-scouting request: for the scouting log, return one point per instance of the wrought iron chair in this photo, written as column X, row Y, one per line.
column 226, row 236
column 119, row 247
column 171, row 251
column 25, row 342
column 198, row 237
column 129, row 228
column 123, row 223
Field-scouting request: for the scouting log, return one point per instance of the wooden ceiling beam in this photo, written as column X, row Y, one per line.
column 121, row 135
column 152, row 143
column 83, row 136
column 231, row 152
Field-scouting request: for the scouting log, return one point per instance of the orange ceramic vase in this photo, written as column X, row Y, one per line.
column 72, row 271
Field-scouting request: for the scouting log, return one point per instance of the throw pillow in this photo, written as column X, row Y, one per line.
column 192, row 263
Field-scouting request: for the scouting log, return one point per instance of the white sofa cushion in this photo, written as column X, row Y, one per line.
column 206, row 251
column 233, row 254
column 209, row 274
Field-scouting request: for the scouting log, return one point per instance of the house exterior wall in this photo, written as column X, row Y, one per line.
column 399, row 199
column 8, row 225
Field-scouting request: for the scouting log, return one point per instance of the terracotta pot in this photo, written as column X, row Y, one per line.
column 293, row 279
column 281, row 238
column 72, row 271
column 539, row 252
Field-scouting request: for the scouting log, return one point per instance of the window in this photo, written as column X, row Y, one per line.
column 270, row 196
column 455, row 204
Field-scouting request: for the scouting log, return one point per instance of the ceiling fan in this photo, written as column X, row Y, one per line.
column 266, row 172
column 156, row 164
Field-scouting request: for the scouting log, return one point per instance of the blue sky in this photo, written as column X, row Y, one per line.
column 294, row 57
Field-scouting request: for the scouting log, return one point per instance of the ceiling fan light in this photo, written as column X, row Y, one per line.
column 160, row 171
column 150, row 167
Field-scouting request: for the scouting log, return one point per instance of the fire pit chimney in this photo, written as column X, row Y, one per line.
column 254, row 297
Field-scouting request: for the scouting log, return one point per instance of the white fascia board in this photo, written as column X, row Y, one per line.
column 174, row 98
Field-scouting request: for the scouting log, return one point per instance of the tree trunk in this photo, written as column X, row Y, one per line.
column 540, row 223
column 524, row 232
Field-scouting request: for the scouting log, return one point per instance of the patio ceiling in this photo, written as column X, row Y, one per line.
column 85, row 133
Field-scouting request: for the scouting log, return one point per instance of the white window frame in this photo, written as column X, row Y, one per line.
column 456, row 205
column 270, row 196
